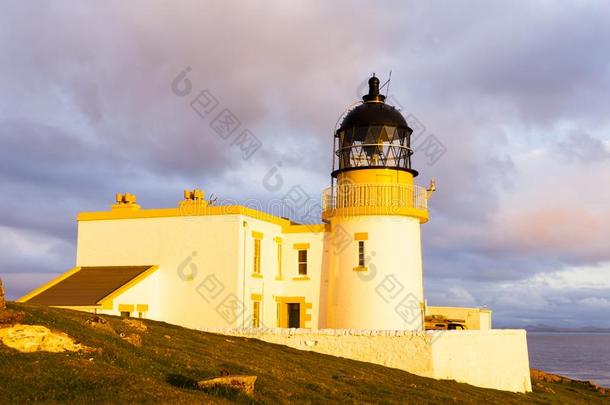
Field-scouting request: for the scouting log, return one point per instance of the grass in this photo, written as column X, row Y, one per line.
column 164, row 370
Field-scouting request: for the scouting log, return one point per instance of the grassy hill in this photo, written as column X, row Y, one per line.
column 171, row 358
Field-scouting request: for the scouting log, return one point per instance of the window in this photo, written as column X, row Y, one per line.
column 279, row 260
column 301, row 249
column 256, row 314
column 126, row 310
column 361, row 238
column 302, row 262
column 142, row 310
column 361, row 253
column 257, row 256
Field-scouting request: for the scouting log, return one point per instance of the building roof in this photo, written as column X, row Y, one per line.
column 86, row 286
column 217, row 210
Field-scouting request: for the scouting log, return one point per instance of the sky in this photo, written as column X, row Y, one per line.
column 514, row 94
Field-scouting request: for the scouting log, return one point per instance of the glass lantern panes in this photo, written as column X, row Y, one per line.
column 374, row 146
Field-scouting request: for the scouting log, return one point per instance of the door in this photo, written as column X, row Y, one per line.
column 294, row 315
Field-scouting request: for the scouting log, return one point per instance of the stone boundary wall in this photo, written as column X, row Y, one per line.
column 304, row 331
column 485, row 358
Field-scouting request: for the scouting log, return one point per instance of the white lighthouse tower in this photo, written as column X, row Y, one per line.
column 375, row 281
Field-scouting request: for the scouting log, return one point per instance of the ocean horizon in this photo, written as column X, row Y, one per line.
column 576, row 355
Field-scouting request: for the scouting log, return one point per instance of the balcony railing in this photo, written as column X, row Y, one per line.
column 375, row 198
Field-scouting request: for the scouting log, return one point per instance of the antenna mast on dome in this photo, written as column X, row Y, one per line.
column 387, row 83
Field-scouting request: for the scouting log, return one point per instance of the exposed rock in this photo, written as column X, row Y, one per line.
column 544, row 388
column 132, row 338
column 33, row 338
column 537, row 375
column 97, row 322
column 168, row 337
column 2, row 301
column 135, row 324
column 10, row 317
column 96, row 319
column 596, row 387
column 244, row 383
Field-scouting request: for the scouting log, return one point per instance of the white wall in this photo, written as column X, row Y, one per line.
column 146, row 292
column 491, row 359
column 487, row 358
column 389, row 294
column 269, row 286
column 221, row 249
column 203, row 246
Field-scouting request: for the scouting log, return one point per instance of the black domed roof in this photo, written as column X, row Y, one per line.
column 373, row 111
column 373, row 114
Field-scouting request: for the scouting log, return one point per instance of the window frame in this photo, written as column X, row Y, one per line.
column 302, row 264
column 361, row 253
column 278, row 257
column 256, row 314
column 256, row 265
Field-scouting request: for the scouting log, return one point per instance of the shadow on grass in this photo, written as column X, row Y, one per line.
column 181, row 381
column 232, row 394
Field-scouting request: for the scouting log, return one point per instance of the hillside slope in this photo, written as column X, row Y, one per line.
column 171, row 357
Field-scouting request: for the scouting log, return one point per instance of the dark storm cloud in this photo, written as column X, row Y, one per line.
column 516, row 92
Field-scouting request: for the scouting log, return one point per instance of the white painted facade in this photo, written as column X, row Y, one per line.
column 389, row 294
column 205, row 265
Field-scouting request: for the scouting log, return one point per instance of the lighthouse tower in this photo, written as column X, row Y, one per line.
column 375, row 279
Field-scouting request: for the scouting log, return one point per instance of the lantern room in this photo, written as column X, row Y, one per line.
column 373, row 135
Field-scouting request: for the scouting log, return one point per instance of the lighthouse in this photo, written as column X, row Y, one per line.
column 376, row 280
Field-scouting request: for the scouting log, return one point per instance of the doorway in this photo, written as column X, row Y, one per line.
column 294, row 315
column 292, row 312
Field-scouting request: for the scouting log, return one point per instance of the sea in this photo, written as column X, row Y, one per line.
column 579, row 356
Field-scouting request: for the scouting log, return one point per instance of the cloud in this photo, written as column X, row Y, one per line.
column 571, row 297
column 30, row 258
column 581, row 146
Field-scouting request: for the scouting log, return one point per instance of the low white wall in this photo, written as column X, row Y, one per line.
column 495, row 358
column 490, row 359
column 389, row 348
